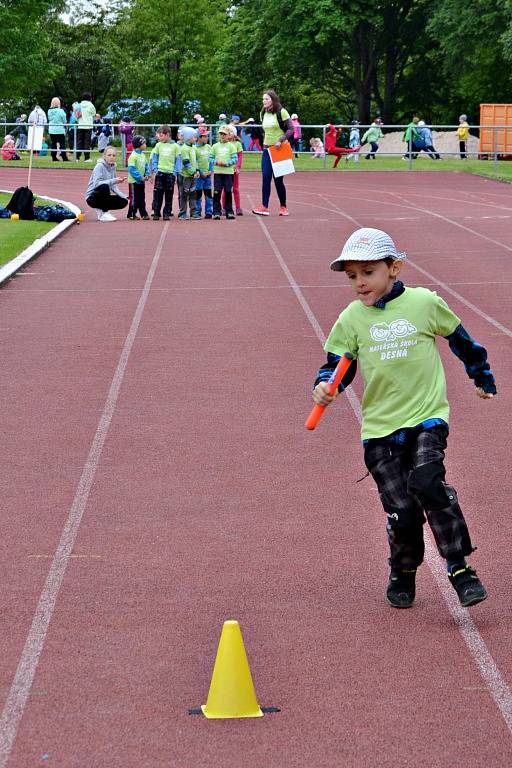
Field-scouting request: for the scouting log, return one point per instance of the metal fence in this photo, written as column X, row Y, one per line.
column 494, row 141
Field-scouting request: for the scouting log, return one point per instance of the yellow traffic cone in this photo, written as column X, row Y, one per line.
column 231, row 691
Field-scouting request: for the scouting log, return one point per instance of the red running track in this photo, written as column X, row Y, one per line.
column 155, row 380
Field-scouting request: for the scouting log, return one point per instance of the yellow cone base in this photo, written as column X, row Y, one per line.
column 220, row 716
column 231, row 693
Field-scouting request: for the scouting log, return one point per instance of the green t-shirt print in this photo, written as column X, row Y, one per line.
column 404, row 381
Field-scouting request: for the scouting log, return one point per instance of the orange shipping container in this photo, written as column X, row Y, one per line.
column 495, row 140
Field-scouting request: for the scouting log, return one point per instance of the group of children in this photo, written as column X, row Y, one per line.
column 199, row 168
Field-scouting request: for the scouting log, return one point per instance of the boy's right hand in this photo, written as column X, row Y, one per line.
column 322, row 394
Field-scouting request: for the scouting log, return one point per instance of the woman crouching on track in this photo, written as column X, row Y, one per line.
column 277, row 127
column 102, row 192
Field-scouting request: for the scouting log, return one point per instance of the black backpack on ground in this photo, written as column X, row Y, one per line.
column 22, row 203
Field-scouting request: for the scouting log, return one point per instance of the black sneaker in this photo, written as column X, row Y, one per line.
column 165, row 217
column 401, row 589
column 216, row 216
column 467, row 585
column 155, row 217
column 208, row 215
column 230, row 215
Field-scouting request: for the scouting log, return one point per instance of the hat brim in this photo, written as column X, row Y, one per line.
column 338, row 265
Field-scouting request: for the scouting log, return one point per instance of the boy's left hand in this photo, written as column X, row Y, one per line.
column 481, row 393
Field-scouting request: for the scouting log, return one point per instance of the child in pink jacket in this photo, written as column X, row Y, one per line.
column 9, row 149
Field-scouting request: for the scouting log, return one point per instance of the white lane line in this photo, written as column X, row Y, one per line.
column 354, row 402
column 493, row 678
column 464, row 301
column 406, row 204
column 22, row 683
column 475, row 644
column 440, row 283
column 477, row 202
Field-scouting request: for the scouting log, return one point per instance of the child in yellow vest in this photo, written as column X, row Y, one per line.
column 463, row 134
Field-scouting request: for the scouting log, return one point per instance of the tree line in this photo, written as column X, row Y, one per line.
column 328, row 59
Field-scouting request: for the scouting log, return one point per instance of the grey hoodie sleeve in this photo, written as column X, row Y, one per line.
column 103, row 175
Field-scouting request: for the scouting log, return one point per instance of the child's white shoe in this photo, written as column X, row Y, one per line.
column 107, row 217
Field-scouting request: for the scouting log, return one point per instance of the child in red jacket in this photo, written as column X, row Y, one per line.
column 331, row 137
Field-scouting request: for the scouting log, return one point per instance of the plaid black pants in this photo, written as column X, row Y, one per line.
column 410, row 477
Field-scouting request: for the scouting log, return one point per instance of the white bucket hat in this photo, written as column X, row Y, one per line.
column 367, row 244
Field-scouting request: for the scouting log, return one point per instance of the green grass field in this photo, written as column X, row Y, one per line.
column 15, row 236
column 500, row 170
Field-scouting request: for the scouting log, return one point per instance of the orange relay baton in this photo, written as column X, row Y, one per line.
column 334, row 382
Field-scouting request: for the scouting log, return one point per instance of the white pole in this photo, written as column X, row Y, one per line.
column 31, row 155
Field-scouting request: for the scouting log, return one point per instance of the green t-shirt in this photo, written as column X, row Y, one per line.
column 271, row 126
column 404, row 381
column 225, row 151
column 166, row 154
column 203, row 152
column 138, row 161
column 188, row 152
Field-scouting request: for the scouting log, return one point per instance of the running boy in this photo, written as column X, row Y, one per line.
column 224, row 157
column 165, row 162
column 391, row 330
column 138, row 172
